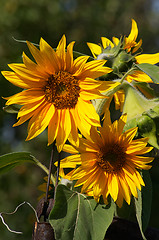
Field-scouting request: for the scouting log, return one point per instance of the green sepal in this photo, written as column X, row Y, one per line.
column 110, row 53
column 14, row 108
column 123, row 62
column 151, row 70
column 75, row 216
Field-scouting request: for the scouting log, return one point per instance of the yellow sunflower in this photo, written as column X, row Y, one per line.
column 129, row 44
column 108, row 162
column 58, row 90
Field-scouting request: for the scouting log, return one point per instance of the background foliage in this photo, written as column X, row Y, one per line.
column 82, row 21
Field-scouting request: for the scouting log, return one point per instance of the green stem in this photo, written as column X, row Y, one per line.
column 126, row 74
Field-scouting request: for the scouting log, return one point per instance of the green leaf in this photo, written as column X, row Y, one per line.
column 143, row 203
column 145, row 88
column 11, row 160
column 75, row 217
column 151, row 70
column 126, row 211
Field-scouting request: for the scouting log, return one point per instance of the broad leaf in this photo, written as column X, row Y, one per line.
column 145, row 88
column 75, row 217
column 11, row 160
column 126, row 211
column 143, row 203
column 151, row 70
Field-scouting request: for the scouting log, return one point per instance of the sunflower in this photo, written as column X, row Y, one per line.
column 130, row 46
column 129, row 42
column 58, row 90
column 108, row 162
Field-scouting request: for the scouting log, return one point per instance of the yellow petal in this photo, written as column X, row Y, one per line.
column 73, row 137
column 130, row 134
column 32, row 66
column 137, row 46
column 115, row 40
column 60, row 51
column 69, row 57
column 52, row 62
column 113, row 186
column 134, row 32
column 37, row 55
column 95, row 49
column 27, row 108
column 24, row 119
column 88, row 112
column 117, row 126
column 139, row 76
column 91, row 94
column 138, row 149
column 24, row 97
column 89, row 84
column 148, row 58
column 27, row 74
column 94, row 69
column 132, row 173
column 107, row 86
column 22, row 82
column 132, row 186
column 124, row 188
column 106, row 42
column 78, row 65
column 87, row 146
column 70, row 149
column 38, row 123
column 70, row 161
column 53, row 128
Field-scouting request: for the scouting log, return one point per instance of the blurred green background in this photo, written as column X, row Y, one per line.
column 82, row 21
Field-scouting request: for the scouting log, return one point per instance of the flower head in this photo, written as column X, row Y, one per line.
column 129, row 42
column 121, row 59
column 109, row 162
column 58, row 90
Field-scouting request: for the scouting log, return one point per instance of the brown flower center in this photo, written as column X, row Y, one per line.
column 112, row 158
column 62, row 89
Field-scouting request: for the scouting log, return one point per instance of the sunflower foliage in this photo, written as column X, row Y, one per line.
column 102, row 111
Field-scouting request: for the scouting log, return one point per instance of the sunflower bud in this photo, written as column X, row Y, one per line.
column 123, row 62
column 146, row 124
column 109, row 54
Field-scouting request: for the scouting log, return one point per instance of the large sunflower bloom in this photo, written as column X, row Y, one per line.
column 109, row 161
column 57, row 91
